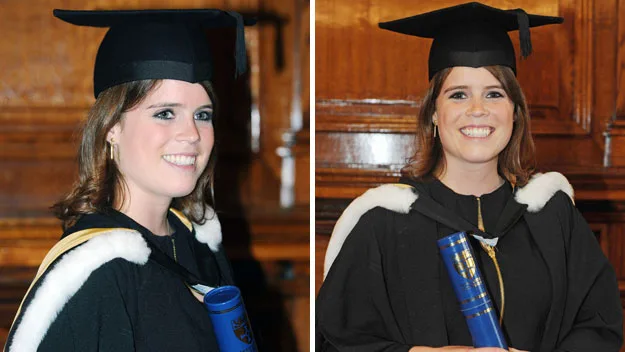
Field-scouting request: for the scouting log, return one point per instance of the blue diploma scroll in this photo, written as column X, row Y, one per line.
column 230, row 322
column 470, row 289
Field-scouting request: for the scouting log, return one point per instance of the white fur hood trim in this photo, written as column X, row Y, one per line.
column 535, row 195
column 210, row 232
column 67, row 276
column 541, row 188
column 392, row 197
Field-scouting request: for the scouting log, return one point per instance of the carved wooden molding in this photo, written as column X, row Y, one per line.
column 25, row 241
column 30, row 253
column 341, row 182
column 399, row 116
column 583, row 57
column 620, row 64
column 34, row 133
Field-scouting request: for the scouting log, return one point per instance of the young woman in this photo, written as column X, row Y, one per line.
column 386, row 288
column 141, row 244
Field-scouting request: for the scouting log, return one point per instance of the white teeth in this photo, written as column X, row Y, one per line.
column 180, row 159
column 479, row 132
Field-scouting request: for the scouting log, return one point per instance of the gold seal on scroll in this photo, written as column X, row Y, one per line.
column 464, row 264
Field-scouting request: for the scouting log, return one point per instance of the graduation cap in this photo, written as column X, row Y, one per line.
column 157, row 44
column 472, row 34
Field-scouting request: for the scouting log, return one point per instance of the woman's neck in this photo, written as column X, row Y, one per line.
column 474, row 181
column 149, row 213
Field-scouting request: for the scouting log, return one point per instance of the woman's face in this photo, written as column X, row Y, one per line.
column 474, row 116
column 164, row 143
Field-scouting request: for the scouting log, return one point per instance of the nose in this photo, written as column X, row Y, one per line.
column 476, row 108
column 188, row 131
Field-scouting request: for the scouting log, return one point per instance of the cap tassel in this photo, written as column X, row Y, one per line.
column 525, row 38
column 240, row 54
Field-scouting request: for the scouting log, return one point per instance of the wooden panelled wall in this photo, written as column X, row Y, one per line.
column 262, row 177
column 369, row 82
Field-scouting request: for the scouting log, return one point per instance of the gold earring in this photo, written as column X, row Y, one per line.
column 112, row 147
column 435, row 128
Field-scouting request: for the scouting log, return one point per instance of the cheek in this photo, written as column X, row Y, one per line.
column 207, row 138
column 149, row 138
column 448, row 123
column 141, row 141
column 506, row 126
column 508, row 121
column 450, row 113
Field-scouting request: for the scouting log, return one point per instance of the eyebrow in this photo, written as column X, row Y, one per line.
column 164, row 105
column 498, row 86
column 207, row 106
column 454, row 88
column 177, row 105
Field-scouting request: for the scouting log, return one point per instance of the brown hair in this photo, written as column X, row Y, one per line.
column 99, row 182
column 516, row 161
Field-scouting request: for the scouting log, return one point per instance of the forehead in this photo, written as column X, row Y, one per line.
column 180, row 92
column 470, row 76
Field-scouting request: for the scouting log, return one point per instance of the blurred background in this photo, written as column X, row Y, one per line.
column 262, row 182
column 369, row 83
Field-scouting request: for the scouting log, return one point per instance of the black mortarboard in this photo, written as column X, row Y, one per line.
column 471, row 34
column 157, row 44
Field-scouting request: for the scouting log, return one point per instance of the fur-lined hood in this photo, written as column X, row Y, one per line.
column 400, row 197
column 72, row 270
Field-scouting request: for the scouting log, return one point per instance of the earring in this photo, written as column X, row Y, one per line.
column 435, row 128
column 112, row 149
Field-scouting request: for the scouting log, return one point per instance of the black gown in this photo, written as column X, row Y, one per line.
column 128, row 306
column 387, row 289
column 521, row 265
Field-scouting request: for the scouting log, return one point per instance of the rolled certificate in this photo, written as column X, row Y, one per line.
column 230, row 322
column 470, row 289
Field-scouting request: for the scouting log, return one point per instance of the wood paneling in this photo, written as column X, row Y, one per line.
column 370, row 80
column 46, row 91
column 369, row 83
column 615, row 134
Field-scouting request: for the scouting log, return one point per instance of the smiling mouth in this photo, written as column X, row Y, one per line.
column 180, row 160
column 477, row 132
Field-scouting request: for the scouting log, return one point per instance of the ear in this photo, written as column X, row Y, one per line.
column 113, row 134
column 435, row 118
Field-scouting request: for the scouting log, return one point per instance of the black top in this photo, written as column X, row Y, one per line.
column 387, row 289
column 127, row 306
column 472, row 34
column 157, row 44
column 182, row 239
column 519, row 259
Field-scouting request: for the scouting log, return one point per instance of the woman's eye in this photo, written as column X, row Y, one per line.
column 204, row 116
column 458, row 95
column 164, row 115
column 494, row 95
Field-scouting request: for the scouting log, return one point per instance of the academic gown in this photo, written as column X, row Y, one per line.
column 522, row 265
column 387, row 289
column 126, row 301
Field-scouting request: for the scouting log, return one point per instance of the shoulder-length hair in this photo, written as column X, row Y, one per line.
column 516, row 162
column 100, row 184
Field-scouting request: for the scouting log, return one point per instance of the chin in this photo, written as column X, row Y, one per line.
column 180, row 191
column 479, row 158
